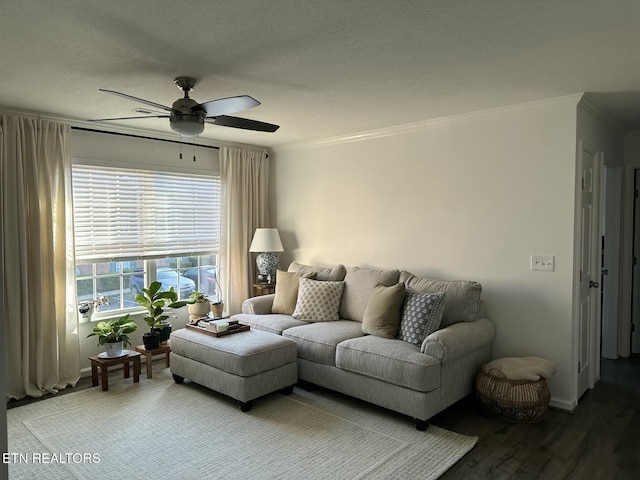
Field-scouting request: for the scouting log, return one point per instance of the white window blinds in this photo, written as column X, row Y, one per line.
column 126, row 214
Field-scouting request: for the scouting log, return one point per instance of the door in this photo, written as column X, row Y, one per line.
column 635, row 295
column 611, row 208
column 589, row 293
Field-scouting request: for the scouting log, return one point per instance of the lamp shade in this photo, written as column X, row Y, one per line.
column 266, row 240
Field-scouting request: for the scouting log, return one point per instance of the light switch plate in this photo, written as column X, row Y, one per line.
column 543, row 263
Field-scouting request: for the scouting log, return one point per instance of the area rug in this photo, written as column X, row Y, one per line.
column 159, row 429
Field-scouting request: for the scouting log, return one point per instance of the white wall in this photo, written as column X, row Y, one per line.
column 469, row 197
column 146, row 154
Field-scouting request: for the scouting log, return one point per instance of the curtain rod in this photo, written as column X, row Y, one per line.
column 84, row 129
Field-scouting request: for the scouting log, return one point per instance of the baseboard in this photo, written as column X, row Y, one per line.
column 564, row 405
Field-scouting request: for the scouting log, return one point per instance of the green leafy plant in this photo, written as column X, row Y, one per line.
column 155, row 301
column 116, row 330
column 197, row 297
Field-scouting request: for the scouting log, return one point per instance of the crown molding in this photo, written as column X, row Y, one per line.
column 439, row 122
column 590, row 105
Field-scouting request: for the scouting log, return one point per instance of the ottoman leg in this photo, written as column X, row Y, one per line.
column 177, row 378
column 421, row 425
column 245, row 406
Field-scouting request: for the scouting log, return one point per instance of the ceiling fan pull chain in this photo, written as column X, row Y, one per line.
column 194, row 152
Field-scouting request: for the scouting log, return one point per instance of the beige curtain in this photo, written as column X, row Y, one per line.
column 41, row 345
column 244, row 176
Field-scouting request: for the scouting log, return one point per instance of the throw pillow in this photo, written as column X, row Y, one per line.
column 329, row 274
column 358, row 285
column 421, row 316
column 318, row 301
column 462, row 297
column 382, row 315
column 287, row 291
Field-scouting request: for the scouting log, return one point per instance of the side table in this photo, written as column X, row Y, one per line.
column 165, row 349
column 105, row 363
column 263, row 288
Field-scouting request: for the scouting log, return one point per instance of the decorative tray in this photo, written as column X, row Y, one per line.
column 234, row 327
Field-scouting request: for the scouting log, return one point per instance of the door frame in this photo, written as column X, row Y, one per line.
column 594, row 321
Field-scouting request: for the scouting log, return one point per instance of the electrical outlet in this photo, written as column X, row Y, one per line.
column 543, row 263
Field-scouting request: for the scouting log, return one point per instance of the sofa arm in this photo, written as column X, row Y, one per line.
column 455, row 341
column 260, row 305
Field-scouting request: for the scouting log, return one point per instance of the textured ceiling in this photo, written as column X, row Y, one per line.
column 321, row 68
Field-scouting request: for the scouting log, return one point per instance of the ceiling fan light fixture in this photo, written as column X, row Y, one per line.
column 187, row 125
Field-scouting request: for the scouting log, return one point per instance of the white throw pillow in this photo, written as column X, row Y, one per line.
column 318, row 301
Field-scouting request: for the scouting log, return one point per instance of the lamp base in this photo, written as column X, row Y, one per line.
column 267, row 263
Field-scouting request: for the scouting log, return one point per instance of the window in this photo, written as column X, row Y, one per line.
column 135, row 226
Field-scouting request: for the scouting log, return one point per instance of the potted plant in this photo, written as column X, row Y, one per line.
column 217, row 309
column 155, row 301
column 198, row 304
column 114, row 335
column 217, row 305
column 88, row 307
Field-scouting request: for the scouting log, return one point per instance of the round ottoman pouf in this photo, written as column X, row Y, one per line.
column 517, row 401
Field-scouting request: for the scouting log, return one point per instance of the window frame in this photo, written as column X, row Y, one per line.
column 150, row 264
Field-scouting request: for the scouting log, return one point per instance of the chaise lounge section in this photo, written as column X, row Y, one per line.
column 369, row 345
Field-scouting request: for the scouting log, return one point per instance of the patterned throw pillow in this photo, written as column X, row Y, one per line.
column 287, row 291
column 318, row 301
column 421, row 316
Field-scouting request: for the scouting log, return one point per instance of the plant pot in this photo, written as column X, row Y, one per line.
column 86, row 310
column 199, row 308
column 151, row 340
column 216, row 309
column 164, row 331
column 113, row 349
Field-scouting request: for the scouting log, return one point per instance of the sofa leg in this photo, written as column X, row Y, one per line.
column 287, row 390
column 421, row 425
column 245, row 406
column 177, row 378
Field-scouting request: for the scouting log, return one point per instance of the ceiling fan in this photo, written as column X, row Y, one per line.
column 187, row 117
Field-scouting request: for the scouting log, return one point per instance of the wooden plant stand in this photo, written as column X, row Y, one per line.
column 163, row 349
column 105, row 363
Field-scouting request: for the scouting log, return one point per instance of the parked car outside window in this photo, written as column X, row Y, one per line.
column 207, row 283
column 168, row 278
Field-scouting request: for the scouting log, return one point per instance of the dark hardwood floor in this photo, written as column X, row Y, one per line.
column 600, row 441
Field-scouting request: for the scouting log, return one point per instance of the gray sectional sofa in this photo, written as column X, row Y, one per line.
column 415, row 376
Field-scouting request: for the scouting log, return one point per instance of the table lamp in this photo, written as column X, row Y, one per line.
column 265, row 242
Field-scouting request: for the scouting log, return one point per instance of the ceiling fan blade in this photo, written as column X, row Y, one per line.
column 222, row 106
column 136, row 99
column 126, row 118
column 244, row 123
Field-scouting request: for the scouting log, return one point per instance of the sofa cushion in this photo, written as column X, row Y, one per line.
column 318, row 301
column 287, row 291
column 272, row 323
column 326, row 274
column 421, row 316
column 317, row 341
column 358, row 286
column 462, row 298
column 390, row 360
column 382, row 315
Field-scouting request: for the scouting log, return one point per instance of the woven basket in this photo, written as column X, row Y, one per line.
column 516, row 401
